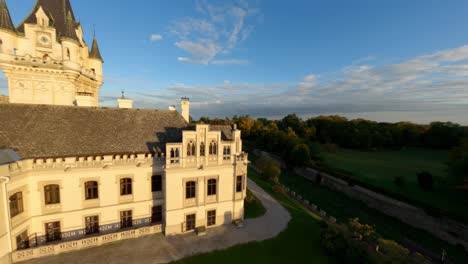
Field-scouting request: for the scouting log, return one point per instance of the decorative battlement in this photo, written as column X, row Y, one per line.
column 106, row 161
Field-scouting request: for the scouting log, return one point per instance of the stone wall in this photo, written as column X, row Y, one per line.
column 444, row 228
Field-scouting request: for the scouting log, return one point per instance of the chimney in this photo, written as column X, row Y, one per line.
column 172, row 108
column 185, row 108
column 124, row 102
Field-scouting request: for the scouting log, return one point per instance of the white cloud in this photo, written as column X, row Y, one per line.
column 223, row 26
column 156, row 37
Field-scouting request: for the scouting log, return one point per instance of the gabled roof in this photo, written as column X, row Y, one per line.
column 5, row 18
column 95, row 53
column 58, row 10
column 47, row 131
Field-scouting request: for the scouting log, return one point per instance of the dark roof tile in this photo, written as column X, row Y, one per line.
column 42, row 131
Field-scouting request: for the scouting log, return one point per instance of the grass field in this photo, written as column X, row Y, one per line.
column 299, row 243
column 254, row 208
column 343, row 208
column 380, row 168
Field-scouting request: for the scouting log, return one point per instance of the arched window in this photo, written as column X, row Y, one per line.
column 16, row 204
column 52, row 194
column 91, row 190
column 190, row 189
column 125, row 186
column 45, row 57
column 202, row 149
column 213, row 148
column 191, row 149
column 212, row 187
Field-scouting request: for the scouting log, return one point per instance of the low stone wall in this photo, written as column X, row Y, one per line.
column 94, row 241
column 444, row 228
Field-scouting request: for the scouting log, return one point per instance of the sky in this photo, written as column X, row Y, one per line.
column 382, row 60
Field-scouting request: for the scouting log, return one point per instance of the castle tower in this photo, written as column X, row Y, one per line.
column 185, row 108
column 46, row 59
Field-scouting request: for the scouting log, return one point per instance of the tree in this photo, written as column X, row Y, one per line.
column 300, row 154
column 458, row 163
column 425, row 180
column 362, row 232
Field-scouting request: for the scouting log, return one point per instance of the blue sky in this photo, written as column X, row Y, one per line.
column 382, row 60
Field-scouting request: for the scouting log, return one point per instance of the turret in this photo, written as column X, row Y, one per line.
column 5, row 19
column 7, row 31
column 95, row 60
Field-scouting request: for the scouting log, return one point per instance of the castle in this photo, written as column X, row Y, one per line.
column 74, row 175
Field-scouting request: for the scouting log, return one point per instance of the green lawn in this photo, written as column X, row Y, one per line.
column 343, row 208
column 299, row 243
column 253, row 208
column 379, row 168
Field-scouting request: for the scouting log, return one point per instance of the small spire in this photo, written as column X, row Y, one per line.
column 5, row 18
column 95, row 53
column 123, row 94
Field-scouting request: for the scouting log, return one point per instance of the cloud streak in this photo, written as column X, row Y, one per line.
column 212, row 36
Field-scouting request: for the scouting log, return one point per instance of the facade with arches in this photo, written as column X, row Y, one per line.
column 45, row 58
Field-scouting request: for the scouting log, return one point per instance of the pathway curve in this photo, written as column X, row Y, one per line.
column 161, row 249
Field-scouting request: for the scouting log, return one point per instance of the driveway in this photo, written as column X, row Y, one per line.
column 161, row 249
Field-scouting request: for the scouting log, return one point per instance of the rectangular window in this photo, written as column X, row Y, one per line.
column 190, row 189
column 22, row 241
column 92, row 225
column 156, row 183
column 211, row 218
column 227, row 153
column 211, row 187
column 52, row 231
column 125, row 186
column 16, row 204
column 156, row 214
column 190, row 222
column 239, row 183
column 126, row 219
column 52, row 194
column 91, row 190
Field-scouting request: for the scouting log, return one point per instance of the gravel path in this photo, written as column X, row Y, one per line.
column 161, row 249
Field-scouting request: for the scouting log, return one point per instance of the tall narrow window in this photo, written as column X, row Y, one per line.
column 126, row 219
column 202, row 149
column 190, row 190
column 16, row 204
column 211, row 187
column 191, row 149
column 156, row 214
column 227, row 153
column 239, row 183
column 156, row 183
column 91, row 190
column 213, row 148
column 68, row 53
column 52, row 194
column 174, row 155
column 92, row 225
column 1, row 45
column 211, row 218
column 125, row 186
column 22, row 241
column 190, row 222
column 52, row 231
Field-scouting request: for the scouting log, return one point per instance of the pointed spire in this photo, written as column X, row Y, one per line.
column 69, row 31
column 95, row 54
column 5, row 18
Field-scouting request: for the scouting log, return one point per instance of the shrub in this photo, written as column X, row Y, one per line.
column 425, row 181
column 274, row 179
column 330, row 148
column 300, row 154
column 399, row 181
column 279, row 189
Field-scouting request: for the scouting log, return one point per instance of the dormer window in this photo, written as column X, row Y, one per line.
column 213, row 148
